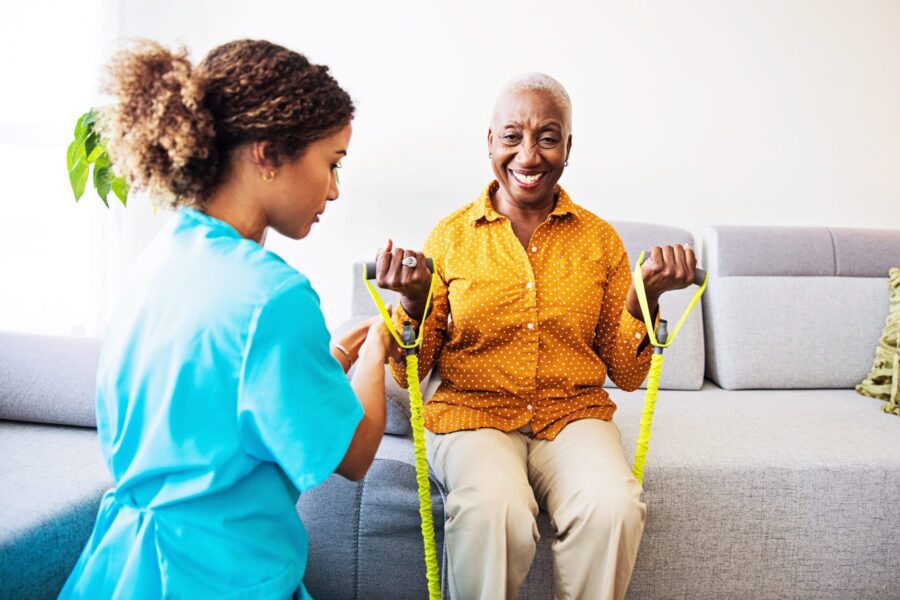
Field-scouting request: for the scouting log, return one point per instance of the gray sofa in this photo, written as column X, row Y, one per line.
column 768, row 476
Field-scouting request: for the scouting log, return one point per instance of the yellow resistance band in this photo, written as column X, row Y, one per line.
column 656, row 363
column 643, row 443
column 417, row 421
column 645, row 310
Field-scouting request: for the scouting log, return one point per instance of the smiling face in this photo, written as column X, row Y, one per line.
column 298, row 195
column 529, row 142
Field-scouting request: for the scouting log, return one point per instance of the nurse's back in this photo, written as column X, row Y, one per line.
column 167, row 386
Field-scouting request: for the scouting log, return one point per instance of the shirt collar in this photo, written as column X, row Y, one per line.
column 187, row 212
column 482, row 208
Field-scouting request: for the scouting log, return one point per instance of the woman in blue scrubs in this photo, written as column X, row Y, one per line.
column 219, row 399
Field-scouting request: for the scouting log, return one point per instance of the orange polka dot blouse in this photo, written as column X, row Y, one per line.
column 527, row 335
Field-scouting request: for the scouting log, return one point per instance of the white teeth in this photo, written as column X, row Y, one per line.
column 527, row 179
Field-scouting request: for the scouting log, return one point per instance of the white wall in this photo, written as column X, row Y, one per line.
column 53, row 252
column 782, row 112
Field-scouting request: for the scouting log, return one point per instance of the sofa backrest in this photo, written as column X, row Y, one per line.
column 48, row 379
column 792, row 307
column 684, row 360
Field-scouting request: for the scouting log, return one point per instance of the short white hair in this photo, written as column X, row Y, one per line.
column 538, row 82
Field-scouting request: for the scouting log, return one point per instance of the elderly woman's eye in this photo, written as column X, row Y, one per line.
column 548, row 141
column 510, row 137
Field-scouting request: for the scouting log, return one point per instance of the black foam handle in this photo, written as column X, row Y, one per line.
column 699, row 274
column 370, row 267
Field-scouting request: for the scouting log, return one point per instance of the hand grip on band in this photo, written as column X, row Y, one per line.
column 370, row 267
column 699, row 274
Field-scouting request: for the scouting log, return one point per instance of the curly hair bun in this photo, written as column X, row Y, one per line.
column 159, row 135
column 173, row 129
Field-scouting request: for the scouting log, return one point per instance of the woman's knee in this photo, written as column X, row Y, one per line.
column 603, row 509
column 494, row 510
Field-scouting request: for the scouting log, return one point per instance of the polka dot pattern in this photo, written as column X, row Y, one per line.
column 527, row 334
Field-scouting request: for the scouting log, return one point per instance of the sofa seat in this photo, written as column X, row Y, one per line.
column 749, row 494
column 758, row 492
column 53, row 478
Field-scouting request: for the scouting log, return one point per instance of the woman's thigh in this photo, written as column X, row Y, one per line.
column 484, row 462
column 585, row 461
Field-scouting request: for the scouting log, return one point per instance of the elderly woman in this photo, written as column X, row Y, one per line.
column 532, row 310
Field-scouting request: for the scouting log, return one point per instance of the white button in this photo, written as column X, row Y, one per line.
column 531, row 326
column 528, row 286
column 638, row 335
column 534, row 248
column 530, row 407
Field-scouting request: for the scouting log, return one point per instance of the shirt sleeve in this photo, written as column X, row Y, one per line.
column 619, row 335
column 435, row 323
column 295, row 405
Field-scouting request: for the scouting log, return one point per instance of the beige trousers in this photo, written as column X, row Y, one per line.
column 496, row 482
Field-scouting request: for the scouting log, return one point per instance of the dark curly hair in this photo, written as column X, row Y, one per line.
column 173, row 129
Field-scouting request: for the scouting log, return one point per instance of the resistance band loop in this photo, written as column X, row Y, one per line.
column 645, row 310
column 387, row 317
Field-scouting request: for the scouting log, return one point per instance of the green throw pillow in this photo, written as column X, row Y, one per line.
column 884, row 378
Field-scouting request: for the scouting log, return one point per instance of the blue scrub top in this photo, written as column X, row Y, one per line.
column 218, row 402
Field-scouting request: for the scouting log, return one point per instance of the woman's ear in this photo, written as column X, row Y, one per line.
column 263, row 156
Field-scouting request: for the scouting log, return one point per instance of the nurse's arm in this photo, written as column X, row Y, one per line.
column 368, row 383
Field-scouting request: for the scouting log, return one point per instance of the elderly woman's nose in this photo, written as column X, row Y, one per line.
column 528, row 154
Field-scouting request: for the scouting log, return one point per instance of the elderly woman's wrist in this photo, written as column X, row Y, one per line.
column 414, row 308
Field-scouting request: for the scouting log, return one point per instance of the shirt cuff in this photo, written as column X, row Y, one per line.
column 635, row 331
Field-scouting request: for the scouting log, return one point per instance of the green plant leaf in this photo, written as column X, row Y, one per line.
column 120, row 189
column 98, row 150
column 88, row 148
column 72, row 155
column 80, row 126
column 77, row 167
column 103, row 177
column 91, row 143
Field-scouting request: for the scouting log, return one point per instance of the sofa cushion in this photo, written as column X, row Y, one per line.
column 52, row 480
column 792, row 332
column 791, row 307
column 684, row 360
column 865, row 252
column 750, row 494
column 48, row 379
column 736, row 250
column 767, row 494
column 365, row 538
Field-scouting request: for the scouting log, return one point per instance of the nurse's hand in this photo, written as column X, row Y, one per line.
column 379, row 342
column 351, row 341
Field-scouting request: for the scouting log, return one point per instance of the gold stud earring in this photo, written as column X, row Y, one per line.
column 270, row 176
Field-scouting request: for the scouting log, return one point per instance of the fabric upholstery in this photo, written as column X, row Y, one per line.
column 734, row 487
column 365, row 538
column 735, row 250
column 48, row 379
column 51, row 482
column 792, row 332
